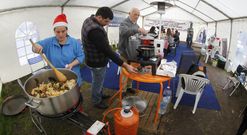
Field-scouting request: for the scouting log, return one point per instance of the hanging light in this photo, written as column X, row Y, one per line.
column 161, row 6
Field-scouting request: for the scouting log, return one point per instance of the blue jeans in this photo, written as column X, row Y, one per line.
column 98, row 75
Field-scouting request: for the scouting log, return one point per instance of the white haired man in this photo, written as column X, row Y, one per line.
column 128, row 40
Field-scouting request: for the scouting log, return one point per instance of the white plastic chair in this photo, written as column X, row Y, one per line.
column 193, row 85
column 211, row 53
column 33, row 61
column 199, row 73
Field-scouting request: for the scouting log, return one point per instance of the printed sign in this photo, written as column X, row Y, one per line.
column 179, row 25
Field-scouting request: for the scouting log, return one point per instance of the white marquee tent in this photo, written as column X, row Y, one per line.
column 22, row 19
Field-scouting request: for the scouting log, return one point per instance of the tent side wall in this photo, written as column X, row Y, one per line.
column 211, row 29
column 10, row 21
column 75, row 17
column 239, row 25
column 223, row 30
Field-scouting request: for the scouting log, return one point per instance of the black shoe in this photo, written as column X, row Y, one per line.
column 101, row 105
column 105, row 96
column 131, row 90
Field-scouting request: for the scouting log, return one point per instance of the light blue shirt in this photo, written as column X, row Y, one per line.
column 60, row 56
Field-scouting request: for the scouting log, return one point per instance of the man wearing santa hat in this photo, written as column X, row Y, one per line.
column 62, row 50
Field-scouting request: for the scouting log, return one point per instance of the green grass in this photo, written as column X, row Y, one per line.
column 13, row 124
column 7, row 122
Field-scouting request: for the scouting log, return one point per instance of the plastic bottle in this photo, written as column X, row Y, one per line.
column 242, row 77
column 165, row 101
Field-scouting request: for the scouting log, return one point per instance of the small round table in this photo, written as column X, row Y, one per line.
column 142, row 77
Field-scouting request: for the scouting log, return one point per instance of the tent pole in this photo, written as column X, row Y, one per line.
column 142, row 21
column 64, row 4
column 160, row 25
column 62, row 8
column 216, row 26
column 230, row 40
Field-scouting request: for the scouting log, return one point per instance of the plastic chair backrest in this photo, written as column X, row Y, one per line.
column 193, row 83
column 35, row 60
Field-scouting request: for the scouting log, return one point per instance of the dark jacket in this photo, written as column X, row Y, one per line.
column 96, row 44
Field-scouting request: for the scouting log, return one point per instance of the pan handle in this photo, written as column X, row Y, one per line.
column 21, row 84
column 30, row 103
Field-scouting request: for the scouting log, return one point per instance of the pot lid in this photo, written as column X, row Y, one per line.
column 136, row 101
column 13, row 105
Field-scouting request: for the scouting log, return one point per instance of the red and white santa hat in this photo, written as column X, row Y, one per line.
column 60, row 20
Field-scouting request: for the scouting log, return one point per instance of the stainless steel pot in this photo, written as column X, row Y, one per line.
column 51, row 105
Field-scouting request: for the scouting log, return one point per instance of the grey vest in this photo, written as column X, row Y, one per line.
column 93, row 55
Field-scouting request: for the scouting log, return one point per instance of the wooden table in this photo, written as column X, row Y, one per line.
column 146, row 78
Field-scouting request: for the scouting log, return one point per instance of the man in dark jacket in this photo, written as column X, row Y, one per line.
column 98, row 52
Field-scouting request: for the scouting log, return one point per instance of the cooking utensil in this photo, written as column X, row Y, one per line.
column 145, row 52
column 60, row 76
column 13, row 105
column 136, row 101
column 51, row 105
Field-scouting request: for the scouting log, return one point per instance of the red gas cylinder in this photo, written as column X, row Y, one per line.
column 126, row 121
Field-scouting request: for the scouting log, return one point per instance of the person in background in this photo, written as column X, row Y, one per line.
column 169, row 36
column 176, row 37
column 204, row 36
column 190, row 33
column 173, row 32
column 98, row 52
column 163, row 33
column 189, row 39
column 152, row 32
column 129, row 40
column 62, row 50
column 170, row 41
column 200, row 37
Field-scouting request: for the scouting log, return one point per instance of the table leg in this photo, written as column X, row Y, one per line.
column 169, row 84
column 159, row 99
column 119, row 91
column 112, row 97
column 121, row 86
column 137, row 86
